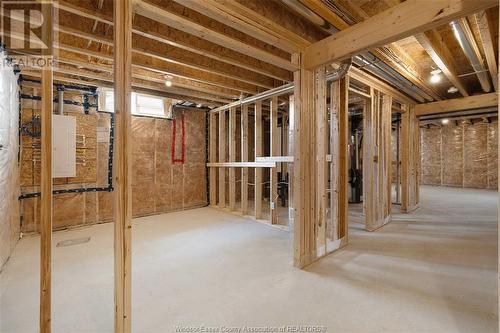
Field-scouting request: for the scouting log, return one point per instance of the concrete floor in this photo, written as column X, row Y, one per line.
column 431, row 271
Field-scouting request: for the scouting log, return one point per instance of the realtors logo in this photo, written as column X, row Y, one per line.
column 28, row 32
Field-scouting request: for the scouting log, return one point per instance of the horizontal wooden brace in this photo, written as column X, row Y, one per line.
column 242, row 165
column 275, row 159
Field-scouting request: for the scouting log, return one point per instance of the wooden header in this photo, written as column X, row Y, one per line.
column 403, row 20
column 457, row 104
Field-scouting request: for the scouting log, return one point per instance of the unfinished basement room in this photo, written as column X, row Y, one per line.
column 249, row 166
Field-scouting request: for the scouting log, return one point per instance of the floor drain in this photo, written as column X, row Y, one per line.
column 71, row 242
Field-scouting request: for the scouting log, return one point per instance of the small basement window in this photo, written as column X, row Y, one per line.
column 143, row 105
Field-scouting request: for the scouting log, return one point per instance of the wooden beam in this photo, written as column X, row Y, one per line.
column 258, row 152
column 213, row 158
column 486, row 28
column 237, row 20
column 388, row 27
column 140, row 60
column 244, row 158
column 222, row 159
column 138, row 85
column 321, row 152
column 391, row 54
column 410, row 157
column 242, row 165
column 281, row 25
column 122, row 165
column 436, row 47
column 232, row 157
column 190, row 94
column 304, row 165
column 274, row 152
column 46, row 178
column 335, row 167
column 151, row 29
column 276, row 159
column 161, row 15
column 457, row 104
column 343, row 159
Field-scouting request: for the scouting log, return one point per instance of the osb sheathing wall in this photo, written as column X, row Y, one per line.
column 158, row 184
column 9, row 170
column 463, row 155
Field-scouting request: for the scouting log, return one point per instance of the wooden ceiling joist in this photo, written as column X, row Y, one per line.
column 163, row 16
column 108, row 77
column 138, row 85
column 457, row 104
column 151, row 29
column 403, row 20
column 171, row 69
column 391, row 54
column 178, row 56
column 486, row 29
column 436, row 47
column 147, row 74
column 225, row 12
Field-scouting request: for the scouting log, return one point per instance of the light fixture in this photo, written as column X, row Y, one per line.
column 168, row 83
column 435, row 76
column 198, row 105
column 445, row 121
column 452, row 90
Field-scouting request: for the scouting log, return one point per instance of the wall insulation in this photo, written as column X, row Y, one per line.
column 168, row 169
column 460, row 155
column 9, row 169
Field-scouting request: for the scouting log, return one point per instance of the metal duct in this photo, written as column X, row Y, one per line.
column 310, row 15
column 380, row 69
column 341, row 71
column 373, row 65
column 468, row 45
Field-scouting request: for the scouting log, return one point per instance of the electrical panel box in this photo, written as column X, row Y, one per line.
column 63, row 146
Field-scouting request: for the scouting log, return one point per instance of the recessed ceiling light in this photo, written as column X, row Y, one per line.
column 452, row 90
column 445, row 121
column 168, row 83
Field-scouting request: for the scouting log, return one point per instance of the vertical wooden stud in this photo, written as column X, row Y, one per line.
column 343, row 196
column 244, row 158
column 334, row 165
column 291, row 138
column 321, row 150
column 232, row 157
column 387, row 154
column 274, row 152
column 258, row 153
column 213, row 158
column 222, row 158
column 123, row 193
column 410, row 159
column 304, row 165
column 46, row 179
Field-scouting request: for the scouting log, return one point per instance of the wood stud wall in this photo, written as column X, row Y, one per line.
column 377, row 160
column 258, row 153
column 235, row 167
column 122, row 165
column 46, row 181
column 274, row 152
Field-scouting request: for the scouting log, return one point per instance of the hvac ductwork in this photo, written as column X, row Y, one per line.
column 366, row 60
column 468, row 46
